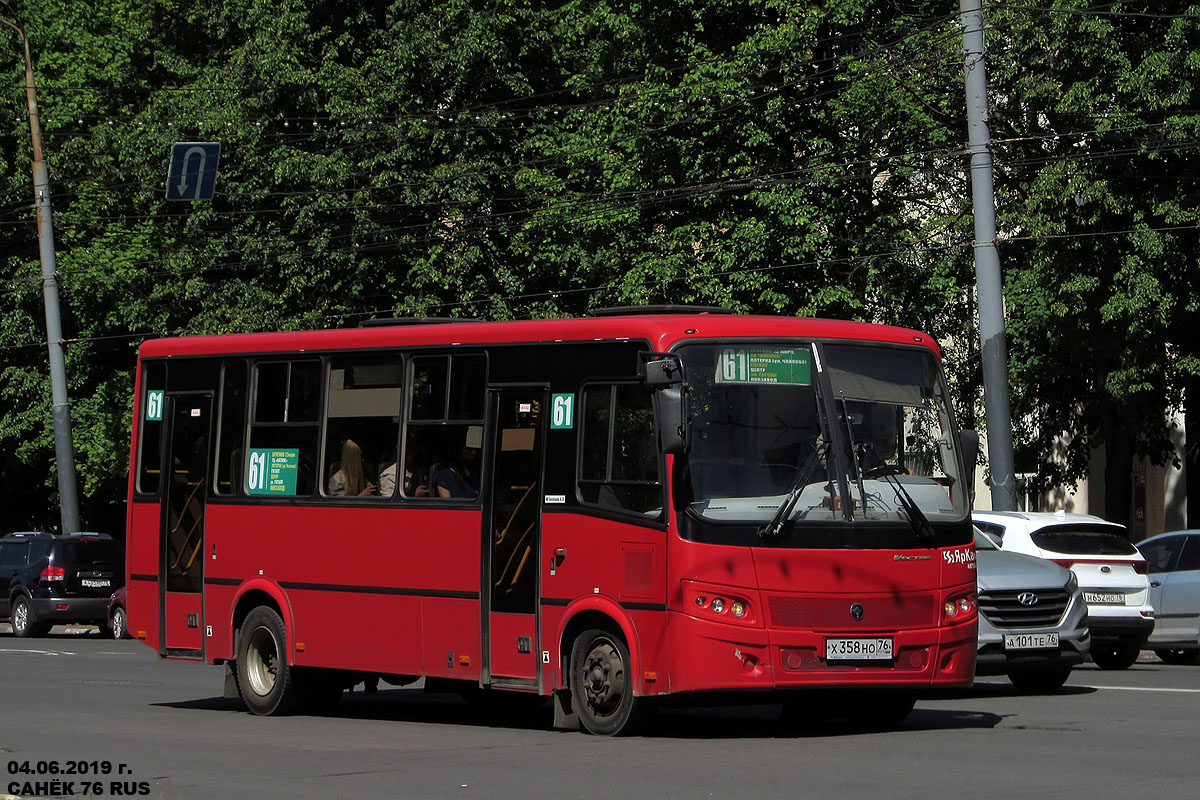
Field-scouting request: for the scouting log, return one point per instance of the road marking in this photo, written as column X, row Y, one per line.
column 1143, row 689
column 37, row 652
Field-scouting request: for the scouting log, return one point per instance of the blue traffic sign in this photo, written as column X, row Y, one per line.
column 193, row 171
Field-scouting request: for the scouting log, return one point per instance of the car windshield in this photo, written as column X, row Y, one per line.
column 1100, row 540
column 761, row 432
column 982, row 542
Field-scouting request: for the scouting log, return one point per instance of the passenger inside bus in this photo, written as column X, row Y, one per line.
column 350, row 478
column 457, row 477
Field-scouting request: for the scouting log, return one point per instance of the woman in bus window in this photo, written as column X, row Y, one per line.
column 350, row 478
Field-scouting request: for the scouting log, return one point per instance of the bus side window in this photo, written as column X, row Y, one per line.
column 231, row 428
column 619, row 464
column 154, row 384
column 444, row 431
column 282, row 456
column 362, row 425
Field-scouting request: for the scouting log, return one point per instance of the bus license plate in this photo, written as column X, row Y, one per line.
column 858, row 649
column 1030, row 641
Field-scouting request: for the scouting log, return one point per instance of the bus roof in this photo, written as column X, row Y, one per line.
column 661, row 330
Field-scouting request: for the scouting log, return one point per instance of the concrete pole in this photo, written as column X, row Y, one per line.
column 989, row 285
column 64, row 450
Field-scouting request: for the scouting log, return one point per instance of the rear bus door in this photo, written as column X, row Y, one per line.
column 181, row 578
column 512, row 535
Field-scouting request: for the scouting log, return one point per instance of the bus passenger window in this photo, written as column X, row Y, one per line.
column 282, row 456
column 154, row 384
column 362, row 426
column 231, row 428
column 444, row 433
column 619, row 460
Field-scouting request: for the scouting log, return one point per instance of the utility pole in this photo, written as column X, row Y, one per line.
column 64, row 450
column 988, row 283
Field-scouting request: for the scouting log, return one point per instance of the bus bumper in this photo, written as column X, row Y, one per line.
column 712, row 656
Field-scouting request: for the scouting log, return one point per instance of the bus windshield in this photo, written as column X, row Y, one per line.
column 868, row 436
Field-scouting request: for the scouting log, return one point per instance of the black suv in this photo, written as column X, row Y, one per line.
column 47, row 579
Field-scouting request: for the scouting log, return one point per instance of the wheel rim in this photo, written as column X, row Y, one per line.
column 604, row 682
column 20, row 616
column 262, row 661
column 118, row 624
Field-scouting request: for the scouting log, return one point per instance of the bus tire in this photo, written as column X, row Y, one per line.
column 265, row 681
column 602, row 685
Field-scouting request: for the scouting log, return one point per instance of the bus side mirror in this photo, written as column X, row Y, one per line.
column 671, row 412
column 663, row 373
column 658, row 370
column 968, row 443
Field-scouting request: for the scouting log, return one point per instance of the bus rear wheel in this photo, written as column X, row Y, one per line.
column 265, row 681
column 602, row 686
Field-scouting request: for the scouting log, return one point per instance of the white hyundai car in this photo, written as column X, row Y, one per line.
column 1110, row 570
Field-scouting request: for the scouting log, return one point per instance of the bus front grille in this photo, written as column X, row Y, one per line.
column 890, row 612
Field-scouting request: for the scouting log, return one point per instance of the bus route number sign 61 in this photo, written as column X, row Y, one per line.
column 562, row 412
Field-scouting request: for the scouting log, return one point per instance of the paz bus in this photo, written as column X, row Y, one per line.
column 647, row 503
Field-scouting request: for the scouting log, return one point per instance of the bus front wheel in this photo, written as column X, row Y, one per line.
column 265, row 681
column 602, row 686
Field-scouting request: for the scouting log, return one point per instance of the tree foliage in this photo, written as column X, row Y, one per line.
column 508, row 159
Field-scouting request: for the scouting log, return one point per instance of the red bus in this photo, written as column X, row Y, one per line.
column 609, row 511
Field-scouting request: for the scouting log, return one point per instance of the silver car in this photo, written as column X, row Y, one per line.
column 1174, row 563
column 1033, row 622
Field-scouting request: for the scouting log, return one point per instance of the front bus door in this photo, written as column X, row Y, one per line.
column 181, row 578
column 512, row 531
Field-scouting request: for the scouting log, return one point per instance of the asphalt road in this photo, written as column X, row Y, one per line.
column 166, row 733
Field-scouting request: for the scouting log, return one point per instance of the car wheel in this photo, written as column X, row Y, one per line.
column 602, row 686
column 120, row 630
column 1044, row 682
column 1115, row 655
column 265, row 680
column 1173, row 656
column 23, row 624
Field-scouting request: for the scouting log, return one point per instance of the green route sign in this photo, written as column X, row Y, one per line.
column 784, row 366
column 272, row 471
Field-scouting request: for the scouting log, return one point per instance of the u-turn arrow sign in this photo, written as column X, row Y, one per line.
column 192, row 174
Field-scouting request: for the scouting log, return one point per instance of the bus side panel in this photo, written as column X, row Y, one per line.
column 586, row 555
column 349, row 630
column 142, row 572
column 218, row 615
column 451, row 638
column 362, row 580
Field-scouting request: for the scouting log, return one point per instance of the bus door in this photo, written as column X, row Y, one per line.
column 181, row 577
column 512, row 532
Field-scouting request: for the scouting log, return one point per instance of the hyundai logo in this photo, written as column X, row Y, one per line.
column 1027, row 599
column 856, row 611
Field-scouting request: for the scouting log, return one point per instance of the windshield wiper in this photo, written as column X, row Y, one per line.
column 774, row 526
column 916, row 517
